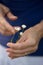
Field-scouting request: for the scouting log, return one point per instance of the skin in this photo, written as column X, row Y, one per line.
column 5, row 27
column 29, row 41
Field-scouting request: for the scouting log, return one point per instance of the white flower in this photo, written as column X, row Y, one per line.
column 21, row 33
column 23, row 26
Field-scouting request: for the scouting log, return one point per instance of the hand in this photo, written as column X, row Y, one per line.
column 5, row 27
column 27, row 44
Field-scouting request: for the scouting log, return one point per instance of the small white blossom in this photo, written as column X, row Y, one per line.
column 21, row 33
column 24, row 26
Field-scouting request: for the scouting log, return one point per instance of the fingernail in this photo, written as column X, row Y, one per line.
column 17, row 28
column 8, row 44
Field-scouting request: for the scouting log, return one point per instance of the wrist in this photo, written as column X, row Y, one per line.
column 39, row 29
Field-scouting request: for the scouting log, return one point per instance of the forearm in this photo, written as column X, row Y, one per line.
column 39, row 29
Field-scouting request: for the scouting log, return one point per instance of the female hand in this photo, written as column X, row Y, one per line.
column 5, row 27
column 28, row 43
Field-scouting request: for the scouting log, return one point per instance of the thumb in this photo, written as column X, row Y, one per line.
column 11, row 16
column 6, row 11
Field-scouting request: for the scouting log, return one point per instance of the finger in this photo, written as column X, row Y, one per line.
column 11, row 16
column 6, row 11
column 2, row 27
column 1, row 31
column 12, row 55
column 16, row 55
column 7, row 33
column 18, row 46
column 7, row 25
column 14, row 46
column 21, row 51
column 17, row 28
